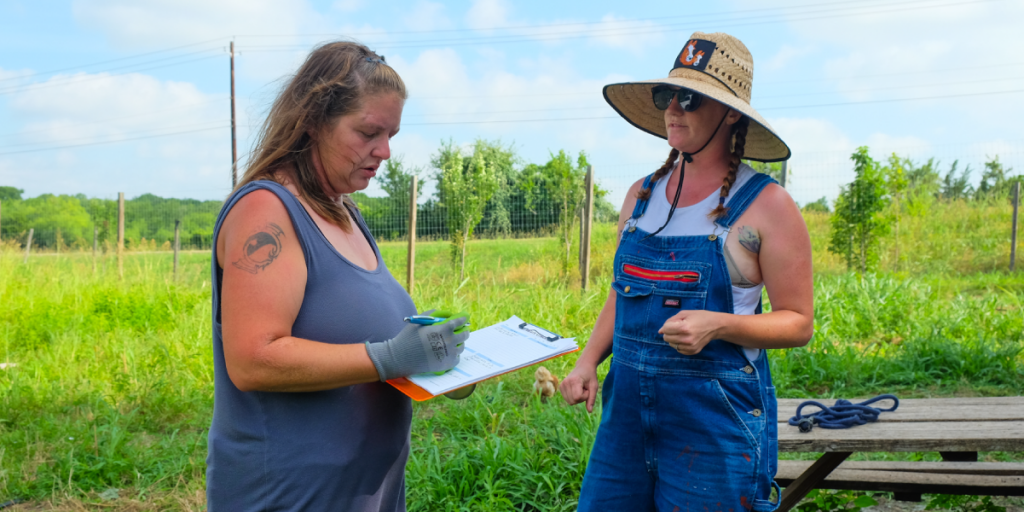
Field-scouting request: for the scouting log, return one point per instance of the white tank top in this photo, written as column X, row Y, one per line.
column 693, row 220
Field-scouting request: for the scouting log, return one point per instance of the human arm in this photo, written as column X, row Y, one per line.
column 264, row 280
column 581, row 384
column 784, row 259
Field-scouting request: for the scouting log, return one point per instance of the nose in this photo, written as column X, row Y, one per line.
column 382, row 150
column 674, row 107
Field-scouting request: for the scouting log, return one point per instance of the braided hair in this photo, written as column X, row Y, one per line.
column 739, row 133
column 660, row 173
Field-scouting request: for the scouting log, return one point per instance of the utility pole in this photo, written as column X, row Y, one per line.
column 234, row 146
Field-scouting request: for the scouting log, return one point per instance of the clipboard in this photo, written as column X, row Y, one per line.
column 419, row 394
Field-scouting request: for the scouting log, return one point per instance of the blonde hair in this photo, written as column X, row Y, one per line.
column 331, row 83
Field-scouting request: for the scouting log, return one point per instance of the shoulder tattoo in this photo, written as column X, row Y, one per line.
column 260, row 249
column 749, row 239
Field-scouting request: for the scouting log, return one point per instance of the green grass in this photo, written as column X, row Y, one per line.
column 114, row 382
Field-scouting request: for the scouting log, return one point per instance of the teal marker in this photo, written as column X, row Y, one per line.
column 434, row 320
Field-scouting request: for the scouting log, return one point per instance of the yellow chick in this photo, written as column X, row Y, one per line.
column 545, row 383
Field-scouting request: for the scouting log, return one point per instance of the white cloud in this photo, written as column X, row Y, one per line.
column 820, row 163
column 785, row 55
column 162, row 22
column 13, row 77
column 426, row 15
column 87, row 107
column 883, row 145
column 616, row 32
column 486, row 14
column 79, row 120
column 348, row 5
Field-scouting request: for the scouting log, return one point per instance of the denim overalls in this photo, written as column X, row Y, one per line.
column 681, row 432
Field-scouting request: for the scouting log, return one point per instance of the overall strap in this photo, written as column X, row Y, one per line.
column 641, row 204
column 743, row 198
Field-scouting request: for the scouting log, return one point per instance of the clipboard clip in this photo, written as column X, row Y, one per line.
column 543, row 333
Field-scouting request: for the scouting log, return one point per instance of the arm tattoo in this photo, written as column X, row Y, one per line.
column 749, row 239
column 260, row 249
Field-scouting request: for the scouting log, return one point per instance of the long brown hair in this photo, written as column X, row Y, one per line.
column 331, row 83
column 739, row 136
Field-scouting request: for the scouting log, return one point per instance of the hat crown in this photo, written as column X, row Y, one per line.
column 730, row 62
column 717, row 66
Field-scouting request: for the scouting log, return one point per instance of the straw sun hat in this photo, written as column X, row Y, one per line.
column 717, row 66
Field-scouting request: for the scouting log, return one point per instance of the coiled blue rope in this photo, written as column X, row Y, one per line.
column 844, row 414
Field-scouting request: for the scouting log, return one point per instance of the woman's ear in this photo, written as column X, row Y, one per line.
column 733, row 117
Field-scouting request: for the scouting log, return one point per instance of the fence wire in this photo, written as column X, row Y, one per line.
column 67, row 223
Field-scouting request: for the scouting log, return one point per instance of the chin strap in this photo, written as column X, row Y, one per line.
column 688, row 158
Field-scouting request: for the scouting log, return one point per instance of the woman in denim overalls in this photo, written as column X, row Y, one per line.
column 689, row 410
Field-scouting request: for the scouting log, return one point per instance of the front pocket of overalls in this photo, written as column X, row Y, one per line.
column 631, row 307
column 677, row 286
column 742, row 400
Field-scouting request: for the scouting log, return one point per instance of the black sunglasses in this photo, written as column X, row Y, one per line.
column 688, row 100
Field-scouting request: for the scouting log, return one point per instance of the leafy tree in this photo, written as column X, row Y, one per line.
column 819, row 206
column 465, row 185
column 923, row 185
column 773, row 169
column 954, row 187
column 896, row 182
column 995, row 182
column 857, row 223
column 498, row 214
column 48, row 214
column 10, row 194
column 559, row 183
column 923, row 178
column 604, row 211
column 396, row 180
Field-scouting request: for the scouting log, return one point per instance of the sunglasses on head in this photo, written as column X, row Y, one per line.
column 688, row 100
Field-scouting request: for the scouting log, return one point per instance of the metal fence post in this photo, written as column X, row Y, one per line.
column 95, row 242
column 177, row 245
column 586, row 226
column 1013, row 237
column 785, row 173
column 411, row 264
column 28, row 245
column 120, row 235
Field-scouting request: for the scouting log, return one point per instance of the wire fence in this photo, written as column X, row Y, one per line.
column 68, row 223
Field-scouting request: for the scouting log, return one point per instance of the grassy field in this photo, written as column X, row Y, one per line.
column 112, row 385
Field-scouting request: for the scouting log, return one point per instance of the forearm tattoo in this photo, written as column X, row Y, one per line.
column 749, row 239
column 260, row 249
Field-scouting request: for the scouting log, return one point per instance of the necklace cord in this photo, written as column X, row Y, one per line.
column 687, row 158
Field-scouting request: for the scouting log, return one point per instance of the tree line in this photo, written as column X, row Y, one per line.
column 69, row 221
column 881, row 193
column 481, row 189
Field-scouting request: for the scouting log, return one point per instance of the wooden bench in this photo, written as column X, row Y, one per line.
column 957, row 428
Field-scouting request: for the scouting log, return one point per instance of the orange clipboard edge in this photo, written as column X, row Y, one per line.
column 421, row 395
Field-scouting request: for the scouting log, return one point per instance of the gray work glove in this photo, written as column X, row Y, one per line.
column 419, row 349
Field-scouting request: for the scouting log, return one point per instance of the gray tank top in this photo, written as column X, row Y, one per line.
column 340, row 449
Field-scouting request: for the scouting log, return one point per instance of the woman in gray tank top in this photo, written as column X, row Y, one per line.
column 307, row 320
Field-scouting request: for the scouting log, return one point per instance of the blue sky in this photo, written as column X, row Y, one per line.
column 103, row 96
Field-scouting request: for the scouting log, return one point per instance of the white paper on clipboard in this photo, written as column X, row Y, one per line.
column 495, row 350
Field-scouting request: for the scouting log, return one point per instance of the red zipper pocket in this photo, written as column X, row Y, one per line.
column 681, row 276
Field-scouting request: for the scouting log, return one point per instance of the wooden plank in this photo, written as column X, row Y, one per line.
column 932, row 409
column 792, row 468
column 908, row 437
column 899, row 481
column 810, row 479
column 910, row 402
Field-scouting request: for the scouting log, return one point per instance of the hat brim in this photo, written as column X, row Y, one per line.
column 632, row 100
